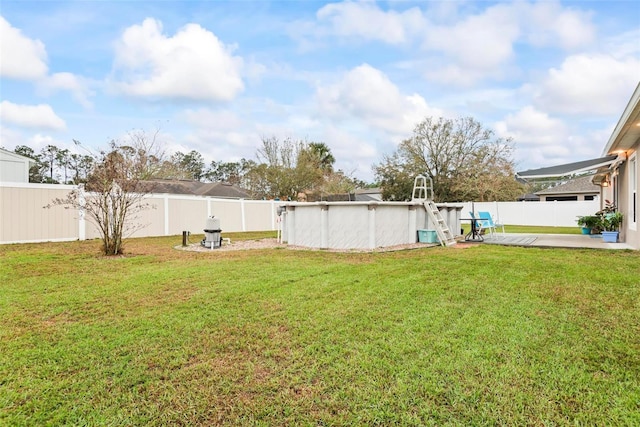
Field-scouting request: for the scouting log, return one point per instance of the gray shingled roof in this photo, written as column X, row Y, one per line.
column 196, row 188
column 575, row 186
column 567, row 169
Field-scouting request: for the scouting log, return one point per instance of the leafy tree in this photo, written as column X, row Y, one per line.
column 231, row 172
column 465, row 161
column 36, row 172
column 320, row 155
column 49, row 155
column 338, row 183
column 188, row 166
column 116, row 188
column 289, row 167
column 63, row 160
column 80, row 167
column 396, row 178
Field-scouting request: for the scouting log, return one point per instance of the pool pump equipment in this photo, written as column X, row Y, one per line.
column 212, row 234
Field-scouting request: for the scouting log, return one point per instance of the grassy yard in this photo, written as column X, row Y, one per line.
column 482, row 335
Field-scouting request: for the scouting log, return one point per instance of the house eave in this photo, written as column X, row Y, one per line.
column 568, row 169
column 627, row 132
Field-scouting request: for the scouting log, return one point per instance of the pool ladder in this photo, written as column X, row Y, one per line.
column 423, row 192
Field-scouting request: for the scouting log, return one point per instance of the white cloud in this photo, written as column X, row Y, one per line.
column 482, row 45
column 39, row 116
column 548, row 23
column 193, row 64
column 542, row 140
column 589, row 84
column 77, row 86
column 366, row 94
column 220, row 135
column 481, row 42
column 531, row 127
column 367, row 21
column 11, row 137
column 355, row 154
column 463, row 45
column 21, row 58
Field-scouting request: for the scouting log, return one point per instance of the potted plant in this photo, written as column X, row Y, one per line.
column 610, row 221
column 589, row 223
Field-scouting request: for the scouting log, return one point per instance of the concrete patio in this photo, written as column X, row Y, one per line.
column 553, row 240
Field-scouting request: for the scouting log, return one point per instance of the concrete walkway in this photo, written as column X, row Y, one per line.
column 553, row 240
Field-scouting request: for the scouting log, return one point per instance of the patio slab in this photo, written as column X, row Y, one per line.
column 553, row 240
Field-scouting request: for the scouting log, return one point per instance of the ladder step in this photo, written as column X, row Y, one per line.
column 440, row 224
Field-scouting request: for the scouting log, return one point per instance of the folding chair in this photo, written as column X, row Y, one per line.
column 487, row 222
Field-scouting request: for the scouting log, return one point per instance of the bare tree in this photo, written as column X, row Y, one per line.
column 288, row 167
column 116, row 188
column 465, row 161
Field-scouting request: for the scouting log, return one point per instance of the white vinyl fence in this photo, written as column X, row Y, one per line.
column 24, row 218
column 553, row 214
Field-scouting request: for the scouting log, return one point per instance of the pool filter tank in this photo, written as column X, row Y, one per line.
column 212, row 233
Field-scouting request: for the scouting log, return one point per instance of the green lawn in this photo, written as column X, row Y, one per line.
column 481, row 335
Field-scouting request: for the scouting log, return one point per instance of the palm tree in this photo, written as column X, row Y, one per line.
column 321, row 153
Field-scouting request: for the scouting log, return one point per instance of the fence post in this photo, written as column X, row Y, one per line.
column 82, row 223
column 166, row 214
column 273, row 214
column 244, row 224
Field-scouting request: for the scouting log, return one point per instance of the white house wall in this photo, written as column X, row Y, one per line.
column 628, row 233
column 13, row 167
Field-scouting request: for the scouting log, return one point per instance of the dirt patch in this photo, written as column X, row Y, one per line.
column 237, row 245
column 241, row 245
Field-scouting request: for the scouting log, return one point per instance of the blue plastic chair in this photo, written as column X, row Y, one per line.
column 486, row 221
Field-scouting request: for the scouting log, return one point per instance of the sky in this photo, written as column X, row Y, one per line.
column 218, row 76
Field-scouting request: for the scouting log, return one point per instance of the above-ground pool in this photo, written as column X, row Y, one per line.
column 360, row 225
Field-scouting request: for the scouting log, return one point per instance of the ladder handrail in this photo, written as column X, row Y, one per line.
column 420, row 186
column 442, row 229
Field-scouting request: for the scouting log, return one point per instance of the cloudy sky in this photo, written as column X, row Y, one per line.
column 218, row 76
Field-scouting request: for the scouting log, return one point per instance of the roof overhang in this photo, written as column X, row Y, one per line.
column 568, row 169
column 627, row 132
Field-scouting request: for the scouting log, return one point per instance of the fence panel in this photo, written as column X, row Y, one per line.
column 552, row 214
column 23, row 218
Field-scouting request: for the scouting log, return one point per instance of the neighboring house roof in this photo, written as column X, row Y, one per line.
column 579, row 185
column 529, row 197
column 15, row 156
column 222, row 189
column 14, row 167
column 368, row 195
column 568, row 168
column 197, row 188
